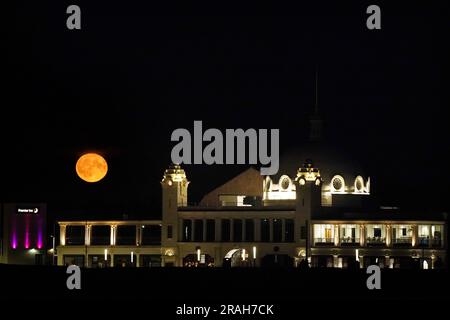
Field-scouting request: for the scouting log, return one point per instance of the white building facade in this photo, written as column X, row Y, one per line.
column 306, row 219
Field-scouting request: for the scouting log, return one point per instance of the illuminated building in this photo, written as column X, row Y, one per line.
column 317, row 212
column 319, row 216
column 24, row 235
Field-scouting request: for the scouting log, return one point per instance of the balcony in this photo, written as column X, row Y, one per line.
column 349, row 242
column 100, row 241
column 126, row 241
column 423, row 242
column 436, row 243
column 375, row 242
column 327, row 242
column 402, row 242
column 74, row 241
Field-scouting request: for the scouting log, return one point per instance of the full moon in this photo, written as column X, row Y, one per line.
column 91, row 167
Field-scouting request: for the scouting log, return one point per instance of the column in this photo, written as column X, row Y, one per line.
column 60, row 259
column 87, row 235
column 257, row 223
column 218, row 233
column 414, row 235
column 362, row 235
column 336, row 235
column 270, row 230
column 388, row 235
column 430, row 237
column 180, row 229
column 137, row 260
column 361, row 261
column 204, row 230
column 192, row 229
column 283, row 230
column 62, row 235
column 335, row 261
column 138, row 235
column 113, row 235
column 218, row 259
column 231, row 230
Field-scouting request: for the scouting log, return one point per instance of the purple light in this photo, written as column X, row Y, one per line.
column 27, row 233
column 27, row 240
column 14, row 241
column 39, row 240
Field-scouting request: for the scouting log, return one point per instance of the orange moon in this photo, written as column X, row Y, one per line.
column 91, row 167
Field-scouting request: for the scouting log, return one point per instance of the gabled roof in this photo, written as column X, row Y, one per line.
column 248, row 183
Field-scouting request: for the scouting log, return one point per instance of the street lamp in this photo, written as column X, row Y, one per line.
column 53, row 249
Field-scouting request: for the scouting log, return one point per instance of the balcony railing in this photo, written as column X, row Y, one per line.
column 426, row 242
column 74, row 241
column 423, row 241
column 324, row 241
column 376, row 241
column 436, row 243
column 102, row 241
column 126, row 241
column 402, row 242
column 348, row 241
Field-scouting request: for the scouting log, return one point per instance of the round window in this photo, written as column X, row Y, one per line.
column 338, row 183
column 285, row 183
column 359, row 184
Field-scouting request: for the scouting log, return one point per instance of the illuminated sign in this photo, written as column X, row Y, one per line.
column 33, row 210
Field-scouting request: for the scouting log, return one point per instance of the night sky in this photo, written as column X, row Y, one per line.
column 134, row 73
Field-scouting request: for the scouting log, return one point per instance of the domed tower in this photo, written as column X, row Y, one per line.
column 308, row 198
column 174, row 195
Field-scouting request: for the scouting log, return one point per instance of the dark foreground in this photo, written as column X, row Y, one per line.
column 162, row 290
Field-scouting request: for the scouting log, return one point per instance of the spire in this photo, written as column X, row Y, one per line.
column 315, row 122
column 316, row 106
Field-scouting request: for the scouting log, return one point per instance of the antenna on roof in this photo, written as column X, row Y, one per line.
column 315, row 121
column 316, row 107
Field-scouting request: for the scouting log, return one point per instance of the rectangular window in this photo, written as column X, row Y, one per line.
column 377, row 232
column 265, row 230
column 289, row 230
column 237, row 230
column 277, row 230
column 198, row 230
column 349, row 234
column 187, row 230
column 151, row 234
column 126, row 235
column 169, row 232
column 225, row 228
column 210, row 230
column 249, row 230
column 75, row 235
column 100, row 235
